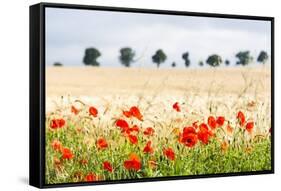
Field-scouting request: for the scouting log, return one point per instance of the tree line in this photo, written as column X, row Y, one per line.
column 127, row 58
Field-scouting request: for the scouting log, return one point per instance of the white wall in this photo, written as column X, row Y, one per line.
column 14, row 38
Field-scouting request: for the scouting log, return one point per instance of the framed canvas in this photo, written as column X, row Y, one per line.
column 122, row 95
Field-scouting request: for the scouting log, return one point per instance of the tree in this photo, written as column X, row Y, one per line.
column 91, row 55
column 127, row 56
column 159, row 57
column 244, row 58
column 263, row 57
column 200, row 63
column 174, row 64
column 185, row 56
column 214, row 60
column 226, row 62
column 57, row 64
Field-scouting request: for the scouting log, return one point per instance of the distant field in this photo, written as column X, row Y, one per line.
column 92, row 81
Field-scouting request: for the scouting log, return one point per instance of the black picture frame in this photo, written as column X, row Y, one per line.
column 37, row 92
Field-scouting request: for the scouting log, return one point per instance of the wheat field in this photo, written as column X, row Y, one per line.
column 127, row 123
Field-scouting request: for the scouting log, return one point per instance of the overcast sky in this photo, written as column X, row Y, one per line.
column 70, row 31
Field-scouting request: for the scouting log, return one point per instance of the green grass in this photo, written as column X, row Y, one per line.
column 240, row 156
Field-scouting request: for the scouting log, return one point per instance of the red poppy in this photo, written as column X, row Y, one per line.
column 169, row 153
column 136, row 113
column 107, row 166
column 212, row 122
column 57, row 146
column 67, row 154
column 133, row 139
column 148, row 148
column 220, row 121
column 269, row 130
column 93, row 111
column 189, row 139
column 91, row 177
column 176, row 107
column 250, row 126
column 127, row 113
column 57, row 123
column 61, row 122
column 101, row 143
column 211, row 133
column 203, row 127
column 241, row 118
column 203, row 136
column 187, row 130
column 122, row 124
column 74, row 110
column 149, row 131
column 128, row 131
column 135, row 128
column 133, row 163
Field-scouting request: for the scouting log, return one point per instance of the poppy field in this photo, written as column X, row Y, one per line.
column 133, row 136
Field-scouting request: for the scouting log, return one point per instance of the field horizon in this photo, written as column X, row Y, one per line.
column 103, row 80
